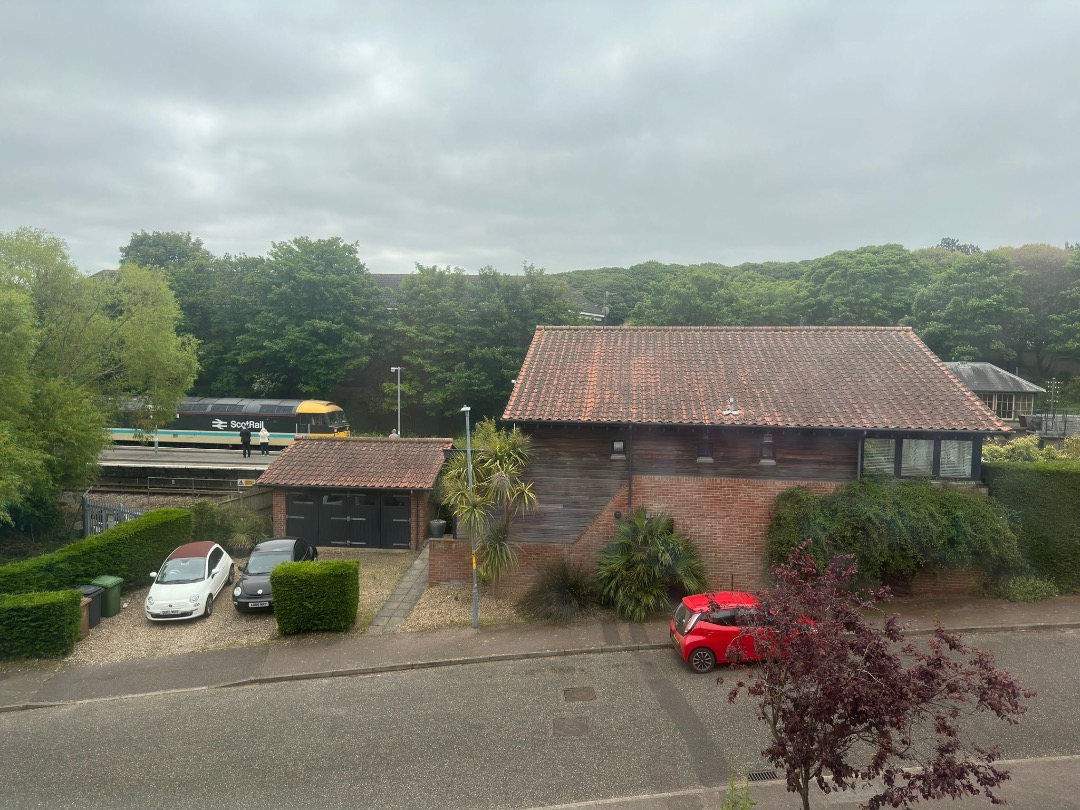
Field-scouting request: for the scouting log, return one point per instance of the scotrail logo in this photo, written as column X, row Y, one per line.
column 218, row 424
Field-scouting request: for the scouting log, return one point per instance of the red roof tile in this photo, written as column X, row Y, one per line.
column 816, row 377
column 358, row 463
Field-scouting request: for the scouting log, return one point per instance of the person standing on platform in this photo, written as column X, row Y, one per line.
column 264, row 441
column 245, row 442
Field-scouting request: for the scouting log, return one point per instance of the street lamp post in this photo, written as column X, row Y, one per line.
column 398, row 370
column 472, row 537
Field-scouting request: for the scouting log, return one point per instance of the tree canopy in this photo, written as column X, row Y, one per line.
column 73, row 346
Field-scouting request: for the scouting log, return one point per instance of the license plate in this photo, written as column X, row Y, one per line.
column 674, row 638
column 258, row 604
column 171, row 612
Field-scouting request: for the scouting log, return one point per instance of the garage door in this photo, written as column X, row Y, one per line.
column 356, row 519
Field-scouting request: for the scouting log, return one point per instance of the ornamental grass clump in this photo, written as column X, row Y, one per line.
column 647, row 560
column 563, row 593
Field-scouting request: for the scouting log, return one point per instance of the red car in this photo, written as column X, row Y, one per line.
column 704, row 626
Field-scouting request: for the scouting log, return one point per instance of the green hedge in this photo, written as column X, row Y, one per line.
column 129, row 551
column 315, row 595
column 39, row 625
column 1044, row 501
column 895, row 528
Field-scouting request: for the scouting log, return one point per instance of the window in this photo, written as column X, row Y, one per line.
column 618, row 449
column 955, row 459
column 704, row 452
column 1007, row 406
column 1025, row 404
column 879, row 456
column 917, row 457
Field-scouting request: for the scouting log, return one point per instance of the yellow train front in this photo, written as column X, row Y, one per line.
column 217, row 422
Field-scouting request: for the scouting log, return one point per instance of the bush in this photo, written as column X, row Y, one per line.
column 315, row 595
column 562, row 593
column 130, row 551
column 895, row 528
column 1044, row 500
column 1026, row 588
column 235, row 527
column 39, row 625
column 645, row 561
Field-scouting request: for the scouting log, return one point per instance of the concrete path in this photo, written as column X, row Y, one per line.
column 404, row 598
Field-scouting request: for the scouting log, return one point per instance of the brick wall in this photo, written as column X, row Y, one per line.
column 726, row 518
column 279, row 513
column 959, row 582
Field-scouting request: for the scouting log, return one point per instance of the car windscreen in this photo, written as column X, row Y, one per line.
column 181, row 570
column 683, row 617
column 266, row 561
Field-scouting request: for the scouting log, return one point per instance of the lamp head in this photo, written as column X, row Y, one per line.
column 465, row 409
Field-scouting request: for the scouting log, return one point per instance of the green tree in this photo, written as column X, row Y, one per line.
column 463, row 338
column 498, row 494
column 871, row 286
column 316, row 318
column 72, row 344
column 972, row 310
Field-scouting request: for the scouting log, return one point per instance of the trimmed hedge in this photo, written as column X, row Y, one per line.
column 129, row 551
column 39, row 625
column 1044, row 501
column 315, row 595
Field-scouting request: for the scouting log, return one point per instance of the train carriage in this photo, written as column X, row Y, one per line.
column 217, row 422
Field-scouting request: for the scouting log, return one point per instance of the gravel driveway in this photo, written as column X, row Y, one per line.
column 130, row 634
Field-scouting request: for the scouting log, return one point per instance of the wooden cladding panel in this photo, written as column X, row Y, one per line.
column 574, row 477
column 736, row 454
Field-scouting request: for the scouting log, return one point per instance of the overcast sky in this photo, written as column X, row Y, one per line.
column 570, row 135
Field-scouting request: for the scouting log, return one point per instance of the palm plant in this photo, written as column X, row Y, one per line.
column 645, row 560
column 498, row 495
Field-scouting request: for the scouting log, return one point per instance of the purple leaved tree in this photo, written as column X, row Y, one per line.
column 849, row 702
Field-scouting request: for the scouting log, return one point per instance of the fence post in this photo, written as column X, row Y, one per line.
column 86, row 512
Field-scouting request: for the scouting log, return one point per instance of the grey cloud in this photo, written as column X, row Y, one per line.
column 569, row 134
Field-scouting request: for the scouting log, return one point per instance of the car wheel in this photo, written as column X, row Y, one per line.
column 702, row 660
column 209, row 605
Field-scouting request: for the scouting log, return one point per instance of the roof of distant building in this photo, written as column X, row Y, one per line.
column 988, row 378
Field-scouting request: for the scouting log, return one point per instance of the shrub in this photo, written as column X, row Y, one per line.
column 235, row 527
column 895, row 528
column 645, row 561
column 39, row 625
column 130, row 551
column 1044, row 500
column 1026, row 588
column 562, row 593
column 315, row 595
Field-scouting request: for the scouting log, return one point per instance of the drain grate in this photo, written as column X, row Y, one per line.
column 579, row 693
column 570, row 726
column 762, row 776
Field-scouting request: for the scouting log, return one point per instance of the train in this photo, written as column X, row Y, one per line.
column 217, row 422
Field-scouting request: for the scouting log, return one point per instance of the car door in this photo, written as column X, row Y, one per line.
column 723, row 629
column 217, row 579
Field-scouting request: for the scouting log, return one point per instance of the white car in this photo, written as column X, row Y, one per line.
column 188, row 582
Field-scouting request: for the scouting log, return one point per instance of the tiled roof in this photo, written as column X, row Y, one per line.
column 816, row 377
column 358, row 463
column 991, row 379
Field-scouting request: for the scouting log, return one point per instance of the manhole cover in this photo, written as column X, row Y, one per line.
column 579, row 693
column 571, row 726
